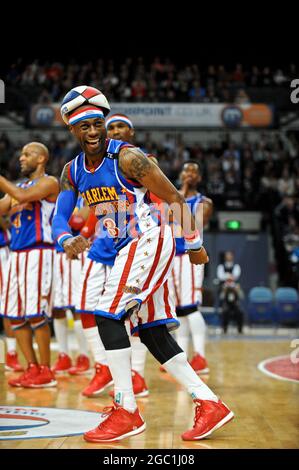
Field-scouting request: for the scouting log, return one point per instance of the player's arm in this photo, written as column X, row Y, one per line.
column 135, row 165
column 65, row 204
column 45, row 188
column 5, row 204
column 208, row 208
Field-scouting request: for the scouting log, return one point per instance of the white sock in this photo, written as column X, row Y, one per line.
column 11, row 344
column 119, row 361
column 61, row 334
column 95, row 345
column 182, row 334
column 198, row 332
column 181, row 370
column 139, row 351
column 82, row 343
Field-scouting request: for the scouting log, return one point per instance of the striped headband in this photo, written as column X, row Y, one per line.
column 87, row 113
column 119, row 117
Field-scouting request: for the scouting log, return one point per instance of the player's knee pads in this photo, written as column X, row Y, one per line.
column 18, row 324
column 160, row 342
column 113, row 333
column 38, row 324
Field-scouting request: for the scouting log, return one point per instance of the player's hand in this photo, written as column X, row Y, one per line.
column 198, row 256
column 74, row 246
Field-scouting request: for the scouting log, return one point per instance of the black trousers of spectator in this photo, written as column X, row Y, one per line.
column 232, row 312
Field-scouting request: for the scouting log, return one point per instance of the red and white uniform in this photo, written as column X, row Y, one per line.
column 4, row 257
column 186, row 281
column 67, row 280
column 132, row 279
column 28, row 290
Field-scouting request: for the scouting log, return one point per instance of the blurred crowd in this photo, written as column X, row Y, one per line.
column 133, row 80
column 261, row 174
column 248, row 174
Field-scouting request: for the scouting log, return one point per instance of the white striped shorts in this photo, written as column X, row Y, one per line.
column 4, row 260
column 186, row 281
column 66, row 279
column 28, row 290
column 140, row 273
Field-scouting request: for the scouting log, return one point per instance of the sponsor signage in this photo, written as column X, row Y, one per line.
column 170, row 115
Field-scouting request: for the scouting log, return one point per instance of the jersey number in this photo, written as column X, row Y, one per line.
column 17, row 221
column 109, row 224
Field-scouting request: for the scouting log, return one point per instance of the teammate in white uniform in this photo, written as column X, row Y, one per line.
column 27, row 295
column 188, row 278
column 11, row 358
column 115, row 179
column 67, row 277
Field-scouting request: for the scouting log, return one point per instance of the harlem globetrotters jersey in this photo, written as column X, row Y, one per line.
column 31, row 221
column 4, row 237
column 192, row 202
column 122, row 206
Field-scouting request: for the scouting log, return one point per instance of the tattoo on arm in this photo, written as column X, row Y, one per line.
column 65, row 184
column 134, row 164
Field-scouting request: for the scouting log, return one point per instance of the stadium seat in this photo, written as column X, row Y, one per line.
column 260, row 306
column 287, row 306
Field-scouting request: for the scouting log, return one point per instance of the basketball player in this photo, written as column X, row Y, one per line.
column 26, row 298
column 67, row 276
column 103, row 253
column 11, row 358
column 187, row 277
column 115, row 177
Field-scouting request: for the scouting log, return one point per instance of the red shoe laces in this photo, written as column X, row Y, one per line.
column 198, row 412
column 110, row 412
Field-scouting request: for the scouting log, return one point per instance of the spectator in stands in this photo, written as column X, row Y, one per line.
column 228, row 274
column 242, row 97
column 286, row 183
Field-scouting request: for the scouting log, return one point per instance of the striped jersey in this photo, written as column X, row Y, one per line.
column 122, row 206
column 30, row 221
column 192, row 202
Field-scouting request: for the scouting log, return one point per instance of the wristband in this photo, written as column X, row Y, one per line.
column 193, row 241
column 64, row 236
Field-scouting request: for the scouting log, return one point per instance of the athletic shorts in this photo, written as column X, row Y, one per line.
column 4, row 260
column 140, row 276
column 186, row 282
column 28, row 290
column 66, row 280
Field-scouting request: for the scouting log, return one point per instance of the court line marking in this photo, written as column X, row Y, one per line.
column 262, row 368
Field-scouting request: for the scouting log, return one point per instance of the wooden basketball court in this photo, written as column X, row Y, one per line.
column 266, row 410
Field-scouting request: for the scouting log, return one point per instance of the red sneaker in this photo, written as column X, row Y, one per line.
column 63, row 364
column 82, row 366
column 12, row 362
column 209, row 416
column 199, row 364
column 139, row 386
column 118, row 424
column 30, row 373
column 45, row 378
column 100, row 381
